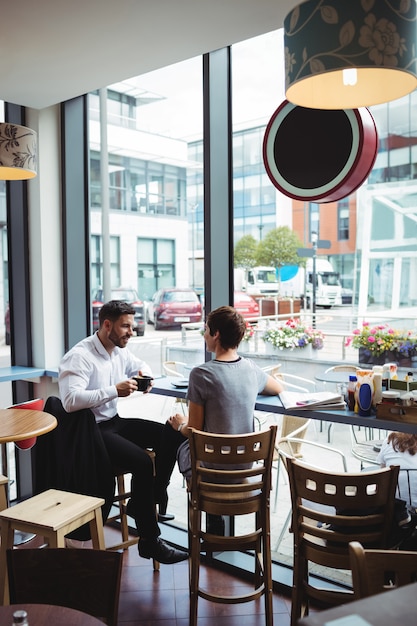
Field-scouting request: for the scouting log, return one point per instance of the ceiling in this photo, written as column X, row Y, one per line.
column 54, row 50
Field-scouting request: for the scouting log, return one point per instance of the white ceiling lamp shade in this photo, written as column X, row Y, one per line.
column 18, row 152
column 346, row 54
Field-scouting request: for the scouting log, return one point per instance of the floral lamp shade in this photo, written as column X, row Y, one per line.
column 343, row 54
column 18, row 152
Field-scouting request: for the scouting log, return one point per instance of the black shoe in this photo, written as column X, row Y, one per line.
column 165, row 517
column 161, row 551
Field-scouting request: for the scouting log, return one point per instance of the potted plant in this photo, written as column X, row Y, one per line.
column 381, row 344
column 293, row 335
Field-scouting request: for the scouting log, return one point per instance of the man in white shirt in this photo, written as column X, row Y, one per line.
column 93, row 375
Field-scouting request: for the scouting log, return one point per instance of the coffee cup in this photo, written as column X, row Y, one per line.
column 143, row 382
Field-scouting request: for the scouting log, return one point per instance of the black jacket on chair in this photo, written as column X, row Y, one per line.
column 73, row 457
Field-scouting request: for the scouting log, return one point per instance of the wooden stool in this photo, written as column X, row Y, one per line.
column 51, row 514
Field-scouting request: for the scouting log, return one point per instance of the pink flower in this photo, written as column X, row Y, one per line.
column 371, row 339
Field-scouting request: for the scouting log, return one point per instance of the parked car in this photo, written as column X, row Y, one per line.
column 246, row 306
column 174, row 306
column 128, row 295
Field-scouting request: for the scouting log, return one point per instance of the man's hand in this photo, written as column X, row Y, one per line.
column 126, row 387
column 177, row 421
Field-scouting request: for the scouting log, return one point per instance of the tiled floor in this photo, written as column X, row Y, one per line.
column 149, row 598
column 162, row 598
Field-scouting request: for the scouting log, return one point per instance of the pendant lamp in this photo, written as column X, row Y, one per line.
column 18, row 152
column 346, row 54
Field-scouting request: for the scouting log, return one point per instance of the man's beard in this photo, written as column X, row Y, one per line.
column 120, row 342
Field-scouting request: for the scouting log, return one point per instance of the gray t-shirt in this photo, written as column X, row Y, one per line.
column 228, row 391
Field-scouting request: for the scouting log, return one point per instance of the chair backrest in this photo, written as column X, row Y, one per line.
column 299, row 383
column 86, row 580
column 292, row 426
column 342, row 368
column 174, row 368
column 231, row 474
column 375, row 571
column 32, row 405
column 333, row 509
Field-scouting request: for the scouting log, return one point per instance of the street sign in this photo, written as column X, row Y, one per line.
column 305, row 252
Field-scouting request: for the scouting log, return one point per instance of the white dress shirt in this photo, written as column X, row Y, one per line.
column 88, row 375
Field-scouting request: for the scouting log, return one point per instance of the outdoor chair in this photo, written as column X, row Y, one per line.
column 86, row 580
column 218, row 488
column 364, row 445
column 329, row 510
column 375, row 571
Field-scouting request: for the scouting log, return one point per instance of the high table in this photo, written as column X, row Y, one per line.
column 384, row 609
column 19, row 424
column 272, row 404
column 42, row 614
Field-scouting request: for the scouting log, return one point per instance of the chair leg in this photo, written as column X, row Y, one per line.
column 194, row 562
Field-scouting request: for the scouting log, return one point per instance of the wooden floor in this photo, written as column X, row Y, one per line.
column 161, row 598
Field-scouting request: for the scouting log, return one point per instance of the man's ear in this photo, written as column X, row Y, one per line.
column 106, row 325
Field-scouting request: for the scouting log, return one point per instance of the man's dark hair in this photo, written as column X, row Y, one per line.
column 113, row 310
column 230, row 324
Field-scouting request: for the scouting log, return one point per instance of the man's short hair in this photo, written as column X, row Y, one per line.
column 230, row 324
column 113, row 310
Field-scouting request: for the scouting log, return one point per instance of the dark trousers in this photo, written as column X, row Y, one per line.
column 126, row 440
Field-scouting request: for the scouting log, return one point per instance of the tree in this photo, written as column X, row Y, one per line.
column 278, row 248
column 245, row 252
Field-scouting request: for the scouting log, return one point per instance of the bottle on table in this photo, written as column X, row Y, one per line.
column 351, row 392
column 20, row 618
column 377, row 380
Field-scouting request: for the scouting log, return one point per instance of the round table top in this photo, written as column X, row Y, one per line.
column 41, row 614
column 19, row 424
column 334, row 376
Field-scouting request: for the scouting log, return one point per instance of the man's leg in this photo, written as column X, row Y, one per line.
column 129, row 455
column 166, row 456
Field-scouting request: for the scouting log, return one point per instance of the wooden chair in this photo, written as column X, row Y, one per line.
column 86, row 580
column 329, row 510
column 225, row 490
column 375, row 571
column 52, row 515
column 291, row 448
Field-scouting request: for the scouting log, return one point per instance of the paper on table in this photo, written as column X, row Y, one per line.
column 313, row 400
